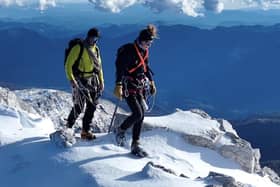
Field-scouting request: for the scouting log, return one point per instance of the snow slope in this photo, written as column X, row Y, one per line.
column 29, row 159
column 16, row 125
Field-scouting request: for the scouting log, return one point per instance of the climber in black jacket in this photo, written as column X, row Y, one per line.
column 132, row 74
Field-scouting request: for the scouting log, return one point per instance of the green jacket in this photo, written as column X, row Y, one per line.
column 85, row 64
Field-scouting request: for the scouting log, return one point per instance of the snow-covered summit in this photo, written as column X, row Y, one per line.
column 186, row 148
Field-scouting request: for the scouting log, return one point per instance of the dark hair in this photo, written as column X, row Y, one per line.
column 149, row 33
column 93, row 32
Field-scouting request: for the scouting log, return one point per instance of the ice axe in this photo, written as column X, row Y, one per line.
column 114, row 116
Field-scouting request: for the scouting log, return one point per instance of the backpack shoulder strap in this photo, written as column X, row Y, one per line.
column 77, row 61
column 81, row 52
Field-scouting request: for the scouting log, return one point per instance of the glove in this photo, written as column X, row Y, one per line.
column 118, row 91
column 153, row 89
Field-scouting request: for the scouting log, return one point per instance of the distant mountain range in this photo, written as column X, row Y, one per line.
column 227, row 71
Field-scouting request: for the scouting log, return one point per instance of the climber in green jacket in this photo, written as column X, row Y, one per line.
column 83, row 69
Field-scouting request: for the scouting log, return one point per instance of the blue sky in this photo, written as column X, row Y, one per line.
column 201, row 13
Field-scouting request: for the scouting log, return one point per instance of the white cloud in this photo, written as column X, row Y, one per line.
column 237, row 4
column 11, row 2
column 113, row 5
column 45, row 3
column 266, row 4
column 189, row 7
column 41, row 4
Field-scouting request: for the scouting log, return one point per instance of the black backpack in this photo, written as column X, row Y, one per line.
column 71, row 44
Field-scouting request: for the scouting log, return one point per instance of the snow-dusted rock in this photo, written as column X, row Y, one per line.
column 10, row 99
column 57, row 105
column 152, row 169
column 201, row 113
column 200, row 129
column 221, row 180
column 242, row 152
column 196, row 126
column 266, row 171
column 227, row 127
column 48, row 103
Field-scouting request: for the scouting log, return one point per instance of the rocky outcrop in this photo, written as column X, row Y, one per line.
column 266, row 171
column 212, row 180
column 219, row 180
column 228, row 144
column 57, row 104
column 150, row 166
column 10, row 99
column 200, row 129
column 48, row 103
column 201, row 113
column 241, row 150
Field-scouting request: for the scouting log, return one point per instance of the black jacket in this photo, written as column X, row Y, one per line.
column 127, row 59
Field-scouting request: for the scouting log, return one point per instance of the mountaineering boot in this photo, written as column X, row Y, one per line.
column 87, row 135
column 120, row 137
column 137, row 150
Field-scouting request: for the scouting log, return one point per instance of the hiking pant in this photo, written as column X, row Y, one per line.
column 137, row 116
column 85, row 94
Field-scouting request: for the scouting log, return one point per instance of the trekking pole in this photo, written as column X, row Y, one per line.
column 114, row 116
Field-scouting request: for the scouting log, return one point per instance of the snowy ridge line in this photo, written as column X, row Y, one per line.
column 179, row 153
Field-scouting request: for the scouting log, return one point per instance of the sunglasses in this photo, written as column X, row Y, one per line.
column 94, row 39
column 148, row 42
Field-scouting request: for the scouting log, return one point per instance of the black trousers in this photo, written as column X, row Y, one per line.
column 136, row 118
column 85, row 95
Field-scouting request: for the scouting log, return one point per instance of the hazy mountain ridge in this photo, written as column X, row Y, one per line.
column 225, row 70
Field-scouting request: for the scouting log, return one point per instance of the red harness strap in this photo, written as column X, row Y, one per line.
column 142, row 60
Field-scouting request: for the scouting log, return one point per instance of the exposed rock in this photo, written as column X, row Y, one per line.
column 57, row 104
column 48, row 103
column 227, row 127
column 217, row 135
column 10, row 99
column 201, row 141
column 219, row 180
column 213, row 179
column 201, row 113
column 243, row 153
column 271, row 174
column 150, row 165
